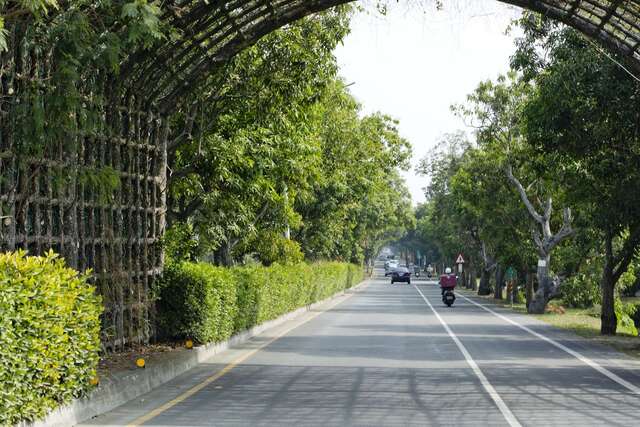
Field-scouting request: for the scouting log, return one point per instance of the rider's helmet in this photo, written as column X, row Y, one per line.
column 447, row 270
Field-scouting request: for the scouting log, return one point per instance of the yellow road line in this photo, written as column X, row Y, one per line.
column 170, row 404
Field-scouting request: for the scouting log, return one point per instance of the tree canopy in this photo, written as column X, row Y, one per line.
column 551, row 167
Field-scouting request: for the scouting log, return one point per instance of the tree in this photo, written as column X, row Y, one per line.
column 277, row 147
column 495, row 111
column 586, row 111
column 358, row 201
column 244, row 154
column 544, row 243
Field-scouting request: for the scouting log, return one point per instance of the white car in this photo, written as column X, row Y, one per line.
column 389, row 267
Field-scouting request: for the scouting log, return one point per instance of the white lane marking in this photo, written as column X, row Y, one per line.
column 583, row 359
column 506, row 412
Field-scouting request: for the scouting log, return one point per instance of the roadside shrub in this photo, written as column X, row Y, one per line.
column 627, row 280
column 636, row 314
column 582, row 290
column 196, row 300
column 209, row 304
column 628, row 315
column 49, row 335
column 625, row 314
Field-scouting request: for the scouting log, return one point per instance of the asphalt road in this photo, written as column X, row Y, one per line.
column 395, row 355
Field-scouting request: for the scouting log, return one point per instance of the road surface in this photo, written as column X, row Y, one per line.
column 395, row 355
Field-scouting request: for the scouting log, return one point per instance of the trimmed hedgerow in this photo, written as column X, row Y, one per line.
column 49, row 335
column 209, row 304
column 196, row 301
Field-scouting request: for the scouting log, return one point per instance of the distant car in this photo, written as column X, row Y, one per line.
column 400, row 274
column 389, row 267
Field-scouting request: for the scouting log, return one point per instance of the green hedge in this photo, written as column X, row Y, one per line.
column 209, row 304
column 49, row 335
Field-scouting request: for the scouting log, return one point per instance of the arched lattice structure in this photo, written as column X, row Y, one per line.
column 120, row 122
column 214, row 31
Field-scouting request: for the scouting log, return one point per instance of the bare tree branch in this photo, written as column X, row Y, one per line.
column 523, row 195
column 548, row 240
column 565, row 231
column 489, row 262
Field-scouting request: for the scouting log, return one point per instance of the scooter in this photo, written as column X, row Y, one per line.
column 448, row 297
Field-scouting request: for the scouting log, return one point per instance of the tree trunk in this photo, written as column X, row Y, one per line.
column 608, row 318
column 485, row 287
column 543, row 294
column 529, row 288
column 515, row 295
column 497, row 292
column 225, row 257
column 469, row 275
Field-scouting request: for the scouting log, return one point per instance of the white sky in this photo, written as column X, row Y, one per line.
column 414, row 63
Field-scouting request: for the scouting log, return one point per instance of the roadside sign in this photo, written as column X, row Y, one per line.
column 460, row 260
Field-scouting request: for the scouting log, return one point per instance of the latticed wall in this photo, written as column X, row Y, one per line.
column 83, row 166
column 95, row 194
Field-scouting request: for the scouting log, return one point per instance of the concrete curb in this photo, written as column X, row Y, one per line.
column 125, row 386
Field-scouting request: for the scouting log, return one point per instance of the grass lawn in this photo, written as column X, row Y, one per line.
column 582, row 322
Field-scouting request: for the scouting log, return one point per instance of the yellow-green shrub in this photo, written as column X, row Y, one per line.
column 49, row 335
column 209, row 304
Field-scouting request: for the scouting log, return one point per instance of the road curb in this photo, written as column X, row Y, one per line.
column 126, row 386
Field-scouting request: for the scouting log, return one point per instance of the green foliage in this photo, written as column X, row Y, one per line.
column 36, row 7
column 285, row 147
column 625, row 314
column 145, row 17
column 100, row 182
column 257, row 154
column 272, row 247
column 49, row 335
column 582, row 290
column 209, row 304
column 628, row 278
column 636, row 314
column 574, row 144
column 359, row 201
column 196, row 301
column 180, row 242
column 3, row 36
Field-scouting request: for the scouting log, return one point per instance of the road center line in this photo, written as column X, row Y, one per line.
column 506, row 412
column 583, row 359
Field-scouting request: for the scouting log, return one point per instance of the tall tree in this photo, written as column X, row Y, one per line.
column 586, row 110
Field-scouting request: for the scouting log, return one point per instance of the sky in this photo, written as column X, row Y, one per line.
column 415, row 62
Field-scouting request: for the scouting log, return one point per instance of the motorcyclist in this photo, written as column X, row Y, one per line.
column 447, row 280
